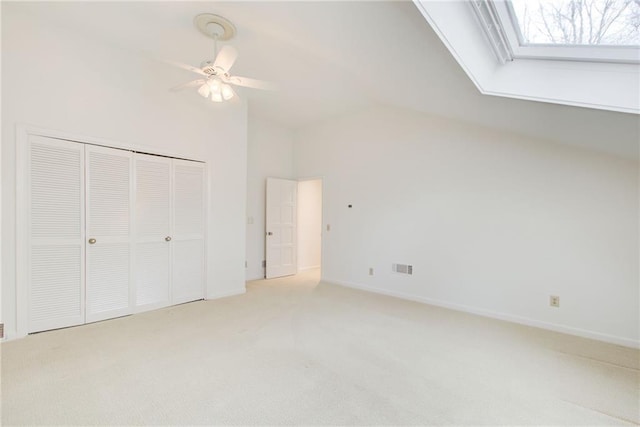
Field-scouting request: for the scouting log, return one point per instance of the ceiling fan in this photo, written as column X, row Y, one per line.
column 216, row 81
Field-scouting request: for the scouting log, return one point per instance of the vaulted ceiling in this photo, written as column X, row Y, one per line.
column 332, row 58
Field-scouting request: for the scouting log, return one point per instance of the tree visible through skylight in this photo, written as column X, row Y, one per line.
column 579, row 22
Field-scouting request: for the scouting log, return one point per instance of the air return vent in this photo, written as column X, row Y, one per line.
column 402, row 268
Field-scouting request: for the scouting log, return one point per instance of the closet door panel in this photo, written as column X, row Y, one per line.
column 188, row 199
column 152, row 276
column 108, row 272
column 55, row 223
column 56, row 293
column 153, row 239
column 108, row 216
column 188, row 270
column 188, row 279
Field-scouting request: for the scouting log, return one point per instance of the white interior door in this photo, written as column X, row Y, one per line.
column 188, row 278
column 152, row 231
column 109, row 291
column 55, row 282
column 281, row 225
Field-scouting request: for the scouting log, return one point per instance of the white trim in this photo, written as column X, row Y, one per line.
column 612, row 339
column 312, row 267
column 493, row 30
column 22, row 244
column 205, row 231
column 225, row 294
column 103, row 142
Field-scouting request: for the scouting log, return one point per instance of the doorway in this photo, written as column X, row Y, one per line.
column 309, row 224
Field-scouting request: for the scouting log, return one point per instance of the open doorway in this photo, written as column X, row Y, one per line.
column 309, row 224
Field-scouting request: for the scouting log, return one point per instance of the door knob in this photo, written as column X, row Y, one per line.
column 92, row 241
column 167, row 239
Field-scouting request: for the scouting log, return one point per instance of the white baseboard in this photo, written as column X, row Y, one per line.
column 312, row 267
column 250, row 278
column 12, row 335
column 229, row 293
column 570, row 330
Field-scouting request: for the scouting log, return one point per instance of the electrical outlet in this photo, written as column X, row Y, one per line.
column 554, row 301
column 370, row 271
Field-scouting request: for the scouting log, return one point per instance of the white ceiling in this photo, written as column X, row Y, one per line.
column 331, row 58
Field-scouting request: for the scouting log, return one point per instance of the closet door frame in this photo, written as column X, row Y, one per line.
column 22, row 209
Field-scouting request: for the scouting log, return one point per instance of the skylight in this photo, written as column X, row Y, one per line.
column 568, row 30
column 577, row 22
column 483, row 36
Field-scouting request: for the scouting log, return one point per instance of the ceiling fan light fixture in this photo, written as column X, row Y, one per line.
column 204, row 90
column 216, row 97
column 227, row 92
column 215, row 84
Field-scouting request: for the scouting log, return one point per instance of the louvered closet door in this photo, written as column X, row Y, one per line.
column 153, row 239
column 108, row 233
column 188, row 231
column 55, row 237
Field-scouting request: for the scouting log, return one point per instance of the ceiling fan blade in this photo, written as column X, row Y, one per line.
column 186, row 67
column 226, row 57
column 252, row 83
column 192, row 83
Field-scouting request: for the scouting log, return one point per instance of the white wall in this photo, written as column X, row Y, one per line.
column 270, row 154
column 309, row 224
column 54, row 79
column 492, row 222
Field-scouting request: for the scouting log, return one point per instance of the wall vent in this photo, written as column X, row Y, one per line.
column 402, row 268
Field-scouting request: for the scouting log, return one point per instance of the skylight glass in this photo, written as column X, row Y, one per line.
column 578, row 22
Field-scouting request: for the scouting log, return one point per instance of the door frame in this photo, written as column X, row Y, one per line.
column 23, row 132
column 322, row 180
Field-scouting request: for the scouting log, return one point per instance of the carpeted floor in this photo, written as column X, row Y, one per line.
column 292, row 351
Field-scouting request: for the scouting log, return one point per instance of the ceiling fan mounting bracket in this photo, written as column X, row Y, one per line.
column 211, row 70
column 215, row 26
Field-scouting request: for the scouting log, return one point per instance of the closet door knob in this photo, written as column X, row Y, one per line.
column 92, row 241
column 167, row 239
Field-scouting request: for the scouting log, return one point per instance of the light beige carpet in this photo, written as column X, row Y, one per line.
column 294, row 352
